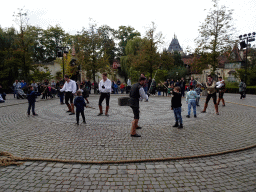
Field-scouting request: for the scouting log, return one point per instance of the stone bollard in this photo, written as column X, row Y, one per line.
column 123, row 101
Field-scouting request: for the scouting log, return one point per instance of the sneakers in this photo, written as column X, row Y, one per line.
column 35, row 114
column 195, row 116
column 180, row 126
column 84, row 122
column 188, row 116
column 72, row 114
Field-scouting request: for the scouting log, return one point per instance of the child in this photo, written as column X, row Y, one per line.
column 191, row 100
column 198, row 91
column 80, row 104
column 170, row 89
column 176, row 107
column 31, row 101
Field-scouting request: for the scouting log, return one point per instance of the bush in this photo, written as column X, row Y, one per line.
column 233, row 89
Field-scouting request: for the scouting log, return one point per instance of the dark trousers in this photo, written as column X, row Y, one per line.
column 77, row 116
column 31, row 105
column 61, row 94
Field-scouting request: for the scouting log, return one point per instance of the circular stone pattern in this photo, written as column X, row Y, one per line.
column 54, row 134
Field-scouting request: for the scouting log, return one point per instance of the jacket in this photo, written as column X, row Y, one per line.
column 79, row 103
column 136, row 93
column 31, row 96
column 176, row 100
column 191, row 95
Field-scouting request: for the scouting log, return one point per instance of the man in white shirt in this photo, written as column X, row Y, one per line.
column 105, row 90
column 70, row 89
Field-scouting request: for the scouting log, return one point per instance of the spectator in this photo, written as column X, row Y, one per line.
column 16, row 86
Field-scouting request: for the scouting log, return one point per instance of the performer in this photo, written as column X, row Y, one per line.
column 137, row 93
column 220, row 85
column 211, row 92
column 105, row 90
column 70, row 89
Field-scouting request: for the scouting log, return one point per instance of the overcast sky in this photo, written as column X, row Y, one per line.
column 182, row 17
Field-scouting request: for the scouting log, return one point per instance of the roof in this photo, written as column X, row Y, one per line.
column 174, row 45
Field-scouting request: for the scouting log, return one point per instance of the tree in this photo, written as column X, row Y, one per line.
column 215, row 34
column 124, row 34
column 90, row 51
column 23, row 42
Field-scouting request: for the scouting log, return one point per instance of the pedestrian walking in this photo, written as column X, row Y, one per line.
column 137, row 93
column 80, row 104
column 105, row 90
column 242, row 89
column 176, row 107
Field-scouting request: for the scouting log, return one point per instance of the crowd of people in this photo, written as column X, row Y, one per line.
column 74, row 94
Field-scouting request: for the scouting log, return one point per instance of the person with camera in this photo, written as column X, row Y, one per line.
column 105, row 90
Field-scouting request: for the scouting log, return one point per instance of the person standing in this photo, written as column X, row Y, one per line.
column 211, row 93
column 176, row 107
column 129, row 85
column 182, row 87
column 70, row 89
column 220, row 85
column 16, row 86
column 31, row 97
column 242, row 89
column 80, row 104
column 192, row 82
column 191, row 100
column 137, row 93
column 105, row 90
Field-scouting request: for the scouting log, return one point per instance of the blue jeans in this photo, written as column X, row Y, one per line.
column 159, row 93
column 193, row 104
column 145, row 89
column 177, row 114
column 31, row 104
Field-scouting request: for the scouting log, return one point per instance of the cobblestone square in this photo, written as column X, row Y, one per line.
column 53, row 134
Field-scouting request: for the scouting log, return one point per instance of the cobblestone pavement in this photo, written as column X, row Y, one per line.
column 53, row 134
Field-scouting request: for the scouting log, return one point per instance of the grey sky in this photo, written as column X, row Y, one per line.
column 181, row 17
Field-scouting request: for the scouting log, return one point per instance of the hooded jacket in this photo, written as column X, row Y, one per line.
column 79, row 103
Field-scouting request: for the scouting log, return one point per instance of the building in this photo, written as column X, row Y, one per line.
column 175, row 46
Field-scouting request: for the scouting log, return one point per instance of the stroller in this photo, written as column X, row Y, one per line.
column 21, row 94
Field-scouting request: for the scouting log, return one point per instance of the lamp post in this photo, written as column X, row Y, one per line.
column 244, row 43
column 60, row 53
column 20, row 71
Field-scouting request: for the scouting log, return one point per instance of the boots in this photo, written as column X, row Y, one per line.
column 69, row 108
column 101, row 112
column 72, row 108
column 176, row 125
column 106, row 112
column 205, row 106
column 216, row 109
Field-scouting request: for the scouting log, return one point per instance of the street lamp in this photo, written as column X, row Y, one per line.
column 244, row 43
column 20, row 71
column 60, row 53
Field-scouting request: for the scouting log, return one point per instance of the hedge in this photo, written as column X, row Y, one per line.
column 249, row 90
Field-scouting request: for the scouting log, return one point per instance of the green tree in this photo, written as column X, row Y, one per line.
column 124, row 34
column 215, row 34
column 90, row 51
